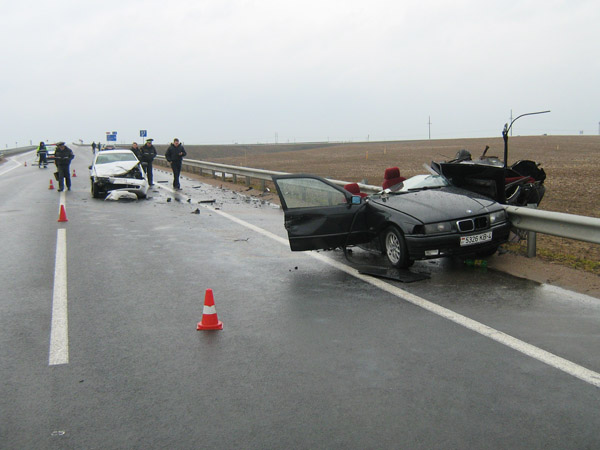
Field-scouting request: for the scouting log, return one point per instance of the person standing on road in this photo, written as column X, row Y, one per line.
column 147, row 155
column 94, row 147
column 63, row 156
column 42, row 155
column 136, row 150
column 174, row 155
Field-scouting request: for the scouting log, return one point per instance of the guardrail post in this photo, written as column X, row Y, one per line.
column 263, row 185
column 531, row 237
column 247, row 181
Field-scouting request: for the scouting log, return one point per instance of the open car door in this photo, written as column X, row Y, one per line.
column 319, row 214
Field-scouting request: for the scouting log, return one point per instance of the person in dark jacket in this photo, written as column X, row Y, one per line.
column 136, row 150
column 147, row 155
column 62, row 158
column 174, row 155
column 42, row 155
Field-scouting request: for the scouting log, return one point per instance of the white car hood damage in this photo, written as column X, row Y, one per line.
column 114, row 169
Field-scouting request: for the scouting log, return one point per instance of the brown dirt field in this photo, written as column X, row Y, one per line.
column 572, row 165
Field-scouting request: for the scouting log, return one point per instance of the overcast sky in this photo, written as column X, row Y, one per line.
column 224, row 71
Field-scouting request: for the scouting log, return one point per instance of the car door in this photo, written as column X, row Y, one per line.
column 319, row 214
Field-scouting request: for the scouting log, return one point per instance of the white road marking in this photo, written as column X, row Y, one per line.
column 15, row 163
column 564, row 365
column 59, row 328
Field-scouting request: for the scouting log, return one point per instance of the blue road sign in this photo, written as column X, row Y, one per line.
column 143, row 133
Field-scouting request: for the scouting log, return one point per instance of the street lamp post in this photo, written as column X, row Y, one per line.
column 506, row 130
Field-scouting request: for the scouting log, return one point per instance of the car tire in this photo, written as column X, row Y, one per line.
column 394, row 248
column 95, row 190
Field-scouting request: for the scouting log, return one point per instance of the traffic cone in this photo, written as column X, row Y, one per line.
column 63, row 215
column 74, row 174
column 51, row 185
column 210, row 321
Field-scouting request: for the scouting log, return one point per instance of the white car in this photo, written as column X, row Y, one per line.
column 117, row 170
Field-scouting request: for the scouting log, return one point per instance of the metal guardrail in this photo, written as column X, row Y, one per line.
column 564, row 225
column 571, row 226
column 17, row 150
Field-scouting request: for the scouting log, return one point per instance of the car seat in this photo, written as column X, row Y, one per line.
column 391, row 178
column 354, row 189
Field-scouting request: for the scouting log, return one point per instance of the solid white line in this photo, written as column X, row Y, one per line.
column 543, row 356
column 59, row 328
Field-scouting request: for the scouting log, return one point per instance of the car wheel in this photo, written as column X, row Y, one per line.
column 95, row 190
column 394, row 247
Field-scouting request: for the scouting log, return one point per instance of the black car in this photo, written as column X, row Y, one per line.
column 426, row 218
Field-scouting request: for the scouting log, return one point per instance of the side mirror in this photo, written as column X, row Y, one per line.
column 90, row 167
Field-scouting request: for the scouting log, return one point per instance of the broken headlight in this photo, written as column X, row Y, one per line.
column 498, row 216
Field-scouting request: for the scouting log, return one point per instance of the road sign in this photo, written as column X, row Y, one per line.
column 143, row 133
column 111, row 136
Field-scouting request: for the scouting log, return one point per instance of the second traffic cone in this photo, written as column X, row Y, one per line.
column 210, row 321
column 62, row 217
column 74, row 174
column 51, row 185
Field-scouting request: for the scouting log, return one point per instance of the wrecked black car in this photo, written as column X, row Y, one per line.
column 520, row 184
column 425, row 218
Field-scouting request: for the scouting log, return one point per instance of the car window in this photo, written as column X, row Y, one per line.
column 104, row 158
column 309, row 192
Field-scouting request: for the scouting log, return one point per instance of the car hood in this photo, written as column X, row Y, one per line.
column 114, row 169
column 438, row 205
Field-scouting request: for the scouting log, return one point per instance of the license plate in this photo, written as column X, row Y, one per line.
column 475, row 239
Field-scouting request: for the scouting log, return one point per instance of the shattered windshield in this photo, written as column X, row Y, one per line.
column 106, row 158
column 423, row 182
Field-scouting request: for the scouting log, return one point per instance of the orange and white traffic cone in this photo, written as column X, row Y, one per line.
column 210, row 321
column 62, row 217
column 51, row 185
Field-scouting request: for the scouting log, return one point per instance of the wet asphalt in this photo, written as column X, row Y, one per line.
column 311, row 356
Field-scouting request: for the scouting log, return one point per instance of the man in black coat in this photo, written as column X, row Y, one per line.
column 147, row 155
column 174, row 155
column 62, row 158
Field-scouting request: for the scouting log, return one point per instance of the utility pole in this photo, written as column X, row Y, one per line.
column 429, row 123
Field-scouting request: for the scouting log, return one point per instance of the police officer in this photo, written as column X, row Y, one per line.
column 147, row 155
column 42, row 155
column 62, row 158
column 174, row 155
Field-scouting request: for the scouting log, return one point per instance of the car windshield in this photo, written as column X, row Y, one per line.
column 105, row 158
column 423, row 182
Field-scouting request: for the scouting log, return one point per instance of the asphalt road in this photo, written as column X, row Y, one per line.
column 312, row 354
